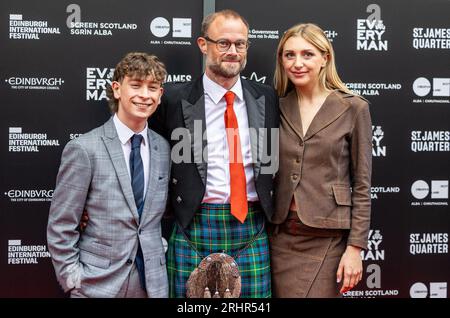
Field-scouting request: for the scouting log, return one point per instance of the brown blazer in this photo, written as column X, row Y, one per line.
column 329, row 169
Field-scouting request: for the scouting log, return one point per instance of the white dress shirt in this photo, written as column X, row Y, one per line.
column 218, row 174
column 125, row 135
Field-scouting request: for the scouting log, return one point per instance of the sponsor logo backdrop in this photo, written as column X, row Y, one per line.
column 57, row 59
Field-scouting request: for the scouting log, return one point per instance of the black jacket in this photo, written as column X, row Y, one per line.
column 181, row 105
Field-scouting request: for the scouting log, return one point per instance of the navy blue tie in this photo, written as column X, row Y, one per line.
column 137, row 183
column 137, row 172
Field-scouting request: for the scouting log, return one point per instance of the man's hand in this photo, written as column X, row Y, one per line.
column 84, row 221
column 350, row 268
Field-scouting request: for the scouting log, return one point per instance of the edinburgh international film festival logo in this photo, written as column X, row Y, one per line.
column 20, row 141
column 370, row 31
column 23, row 29
column 25, row 254
column 176, row 32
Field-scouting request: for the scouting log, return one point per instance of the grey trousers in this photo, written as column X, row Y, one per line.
column 130, row 289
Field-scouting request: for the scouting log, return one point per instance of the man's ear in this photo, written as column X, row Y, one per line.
column 201, row 42
column 116, row 89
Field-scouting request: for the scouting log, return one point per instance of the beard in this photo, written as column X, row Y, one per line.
column 228, row 71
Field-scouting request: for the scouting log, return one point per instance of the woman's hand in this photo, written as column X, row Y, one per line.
column 350, row 268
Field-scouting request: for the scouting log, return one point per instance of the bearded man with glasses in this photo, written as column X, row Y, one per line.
column 222, row 196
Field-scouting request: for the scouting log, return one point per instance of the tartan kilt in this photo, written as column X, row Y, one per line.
column 214, row 229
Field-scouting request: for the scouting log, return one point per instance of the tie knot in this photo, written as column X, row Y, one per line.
column 136, row 141
column 229, row 97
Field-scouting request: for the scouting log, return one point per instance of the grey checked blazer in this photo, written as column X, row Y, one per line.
column 93, row 176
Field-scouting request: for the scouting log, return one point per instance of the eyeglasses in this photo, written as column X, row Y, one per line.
column 224, row 45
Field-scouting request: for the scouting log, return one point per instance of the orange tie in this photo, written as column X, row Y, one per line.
column 238, row 183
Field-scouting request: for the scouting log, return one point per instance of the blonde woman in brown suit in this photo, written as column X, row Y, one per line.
column 322, row 214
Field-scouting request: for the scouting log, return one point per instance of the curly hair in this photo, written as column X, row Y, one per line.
column 136, row 65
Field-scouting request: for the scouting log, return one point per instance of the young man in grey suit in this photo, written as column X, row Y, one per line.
column 119, row 173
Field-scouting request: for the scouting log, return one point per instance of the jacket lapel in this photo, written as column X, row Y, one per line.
column 114, row 148
column 333, row 107
column 256, row 109
column 291, row 112
column 154, row 162
column 195, row 122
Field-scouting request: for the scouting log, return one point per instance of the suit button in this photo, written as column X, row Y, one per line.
column 297, row 160
column 129, row 262
column 179, row 199
column 294, row 177
column 300, row 143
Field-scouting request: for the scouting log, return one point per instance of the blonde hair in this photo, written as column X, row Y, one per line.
column 328, row 76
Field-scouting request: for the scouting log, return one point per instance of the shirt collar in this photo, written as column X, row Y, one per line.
column 126, row 133
column 216, row 92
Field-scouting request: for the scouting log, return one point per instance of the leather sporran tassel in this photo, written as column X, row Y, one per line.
column 227, row 294
column 207, row 293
